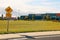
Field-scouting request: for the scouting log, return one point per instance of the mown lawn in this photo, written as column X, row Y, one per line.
column 28, row 26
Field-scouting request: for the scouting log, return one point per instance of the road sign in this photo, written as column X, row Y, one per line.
column 8, row 16
column 8, row 9
column 8, row 12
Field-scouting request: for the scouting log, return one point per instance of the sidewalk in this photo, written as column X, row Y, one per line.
column 17, row 35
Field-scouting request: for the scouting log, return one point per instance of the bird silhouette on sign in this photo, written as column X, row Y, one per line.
column 30, row 37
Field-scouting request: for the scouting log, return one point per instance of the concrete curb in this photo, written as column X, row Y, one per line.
column 19, row 35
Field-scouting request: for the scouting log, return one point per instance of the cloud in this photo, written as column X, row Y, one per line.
column 46, row 5
column 34, row 6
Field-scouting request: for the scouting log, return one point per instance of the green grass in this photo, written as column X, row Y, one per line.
column 28, row 26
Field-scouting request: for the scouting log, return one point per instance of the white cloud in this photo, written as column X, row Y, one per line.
column 21, row 5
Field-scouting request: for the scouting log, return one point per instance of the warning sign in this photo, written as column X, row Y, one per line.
column 8, row 12
column 8, row 9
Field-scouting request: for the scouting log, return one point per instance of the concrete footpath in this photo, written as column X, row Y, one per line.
column 19, row 35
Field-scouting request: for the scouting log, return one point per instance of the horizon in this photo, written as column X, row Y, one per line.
column 4, row 15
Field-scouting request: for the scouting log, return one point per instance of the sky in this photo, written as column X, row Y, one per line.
column 32, row 6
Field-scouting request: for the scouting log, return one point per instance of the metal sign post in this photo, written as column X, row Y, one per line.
column 7, row 25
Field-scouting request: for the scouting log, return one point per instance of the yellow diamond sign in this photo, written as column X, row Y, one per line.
column 8, row 9
column 8, row 12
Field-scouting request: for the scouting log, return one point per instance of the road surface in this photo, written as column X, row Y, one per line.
column 40, row 37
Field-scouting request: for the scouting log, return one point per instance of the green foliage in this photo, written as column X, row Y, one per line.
column 28, row 26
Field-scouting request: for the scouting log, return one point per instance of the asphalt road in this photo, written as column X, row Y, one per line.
column 41, row 37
